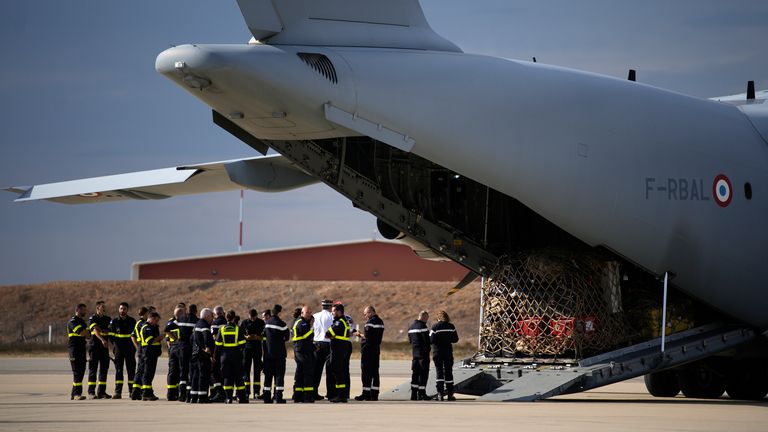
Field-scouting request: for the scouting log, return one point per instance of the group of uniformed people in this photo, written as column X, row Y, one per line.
column 211, row 356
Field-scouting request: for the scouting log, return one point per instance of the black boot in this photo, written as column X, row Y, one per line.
column 218, row 395
column 173, row 394
column 182, row 393
column 266, row 396
column 309, row 397
column 374, row 395
column 242, row 396
column 423, row 395
column 414, row 394
column 279, row 397
column 257, row 391
column 365, row 396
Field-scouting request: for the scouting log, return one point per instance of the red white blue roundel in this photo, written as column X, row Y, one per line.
column 722, row 190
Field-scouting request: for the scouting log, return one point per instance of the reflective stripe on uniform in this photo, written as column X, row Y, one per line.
column 172, row 386
column 278, row 389
column 229, row 387
column 424, row 330
column 74, row 384
column 123, row 336
column 91, row 382
column 119, row 382
column 339, row 386
column 345, row 336
column 102, row 383
column 238, row 388
column 381, row 326
column 306, row 389
column 304, row 336
column 274, row 327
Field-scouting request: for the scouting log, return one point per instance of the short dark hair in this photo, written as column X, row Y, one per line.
column 296, row 313
column 81, row 305
column 154, row 314
column 276, row 309
column 192, row 309
column 253, row 313
column 231, row 315
column 100, row 302
column 143, row 310
column 267, row 312
column 339, row 307
column 125, row 305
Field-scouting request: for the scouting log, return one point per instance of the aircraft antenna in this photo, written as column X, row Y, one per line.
column 240, row 244
column 664, row 313
column 632, row 75
column 750, row 90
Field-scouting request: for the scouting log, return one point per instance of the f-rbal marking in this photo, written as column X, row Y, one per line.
column 676, row 189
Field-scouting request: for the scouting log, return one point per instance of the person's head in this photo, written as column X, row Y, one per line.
column 338, row 310
column 101, row 308
column 369, row 312
column 231, row 315
column 207, row 315
column 80, row 310
column 192, row 309
column 153, row 319
column 306, row 312
column 443, row 316
column 219, row 311
column 237, row 319
column 326, row 304
column 143, row 311
column 266, row 314
column 181, row 306
column 253, row 313
column 123, row 309
column 423, row 316
column 179, row 312
column 276, row 309
column 151, row 309
column 296, row 313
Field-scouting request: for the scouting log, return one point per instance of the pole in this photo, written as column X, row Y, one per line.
column 240, row 244
column 50, row 334
column 664, row 313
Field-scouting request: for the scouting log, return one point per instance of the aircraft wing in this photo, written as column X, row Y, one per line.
column 741, row 99
column 271, row 173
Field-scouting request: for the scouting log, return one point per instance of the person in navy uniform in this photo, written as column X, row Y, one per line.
column 175, row 344
column 370, row 352
column 304, row 354
column 136, row 339
column 229, row 348
column 187, row 325
column 77, row 331
column 418, row 336
column 253, row 329
column 218, row 322
column 277, row 333
column 341, row 350
column 98, row 366
column 152, row 343
column 202, row 358
column 120, row 332
column 442, row 337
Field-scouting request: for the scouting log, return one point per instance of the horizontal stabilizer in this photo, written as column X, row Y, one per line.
column 271, row 173
column 348, row 23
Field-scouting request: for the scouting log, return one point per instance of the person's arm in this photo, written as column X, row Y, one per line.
column 97, row 332
column 454, row 336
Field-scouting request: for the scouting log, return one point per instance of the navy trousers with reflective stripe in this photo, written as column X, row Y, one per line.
column 125, row 359
column 419, row 373
column 369, row 365
column 78, row 362
column 444, row 372
column 98, row 367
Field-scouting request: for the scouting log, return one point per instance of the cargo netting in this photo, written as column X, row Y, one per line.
column 551, row 305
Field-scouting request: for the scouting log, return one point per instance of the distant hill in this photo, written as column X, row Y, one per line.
column 26, row 311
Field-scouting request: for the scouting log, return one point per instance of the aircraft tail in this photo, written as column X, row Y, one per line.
column 348, row 23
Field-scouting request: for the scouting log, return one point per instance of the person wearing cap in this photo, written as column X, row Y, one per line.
column 418, row 336
column 370, row 352
column 277, row 334
column 442, row 336
column 341, row 351
column 253, row 329
column 322, row 322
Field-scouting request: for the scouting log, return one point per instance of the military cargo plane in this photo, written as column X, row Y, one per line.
column 471, row 158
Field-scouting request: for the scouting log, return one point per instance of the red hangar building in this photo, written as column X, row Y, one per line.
column 366, row 260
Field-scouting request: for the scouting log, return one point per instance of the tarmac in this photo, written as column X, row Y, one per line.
column 34, row 395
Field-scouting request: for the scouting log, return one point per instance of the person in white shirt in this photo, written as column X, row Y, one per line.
column 323, row 321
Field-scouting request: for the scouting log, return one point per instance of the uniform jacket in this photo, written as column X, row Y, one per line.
column 173, row 329
column 303, row 332
column 102, row 322
column 75, row 325
column 253, row 327
column 339, row 334
column 418, row 336
column 150, row 339
column 230, row 339
column 202, row 338
column 120, row 331
column 374, row 332
column 442, row 336
column 277, row 334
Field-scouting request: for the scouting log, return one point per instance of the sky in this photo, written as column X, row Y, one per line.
column 79, row 97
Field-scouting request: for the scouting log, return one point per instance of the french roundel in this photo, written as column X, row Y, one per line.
column 722, row 190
